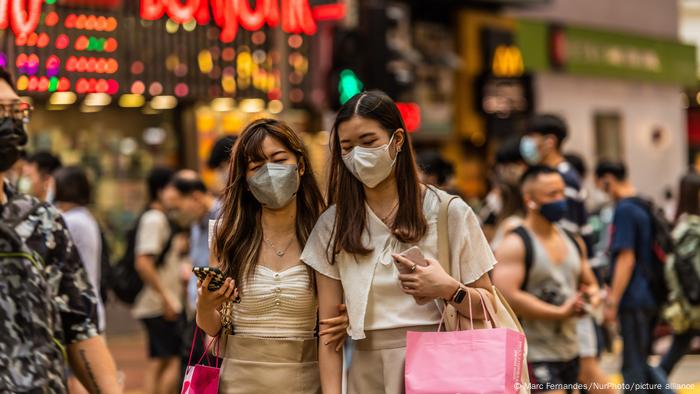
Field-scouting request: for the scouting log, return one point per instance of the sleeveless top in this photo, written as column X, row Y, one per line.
column 280, row 305
column 553, row 340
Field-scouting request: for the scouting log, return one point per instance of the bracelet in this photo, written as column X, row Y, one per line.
column 226, row 318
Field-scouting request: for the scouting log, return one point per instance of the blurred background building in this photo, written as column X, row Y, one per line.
column 615, row 70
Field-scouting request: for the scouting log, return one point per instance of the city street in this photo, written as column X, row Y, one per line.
column 295, row 170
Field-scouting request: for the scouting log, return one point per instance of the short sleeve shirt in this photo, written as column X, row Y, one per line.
column 357, row 272
column 86, row 233
column 632, row 230
column 576, row 216
column 152, row 236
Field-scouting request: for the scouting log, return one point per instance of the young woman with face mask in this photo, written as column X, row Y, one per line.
column 378, row 210
column 269, row 208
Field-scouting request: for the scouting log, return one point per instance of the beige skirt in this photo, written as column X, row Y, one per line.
column 378, row 361
column 260, row 365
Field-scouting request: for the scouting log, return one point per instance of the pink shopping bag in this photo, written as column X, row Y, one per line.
column 201, row 379
column 483, row 361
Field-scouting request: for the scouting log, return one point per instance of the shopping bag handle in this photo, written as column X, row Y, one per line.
column 487, row 316
column 206, row 351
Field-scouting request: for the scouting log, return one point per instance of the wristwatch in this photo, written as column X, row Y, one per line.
column 459, row 295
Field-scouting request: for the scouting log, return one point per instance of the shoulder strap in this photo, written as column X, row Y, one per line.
column 529, row 252
column 573, row 239
column 442, row 232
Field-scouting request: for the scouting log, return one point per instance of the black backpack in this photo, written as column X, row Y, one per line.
column 530, row 250
column 127, row 283
column 106, row 269
column 662, row 247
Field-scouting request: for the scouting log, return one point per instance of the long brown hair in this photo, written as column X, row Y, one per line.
column 348, row 194
column 238, row 234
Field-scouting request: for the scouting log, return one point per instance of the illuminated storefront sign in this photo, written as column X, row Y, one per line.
column 599, row 53
column 507, row 61
column 295, row 16
column 23, row 16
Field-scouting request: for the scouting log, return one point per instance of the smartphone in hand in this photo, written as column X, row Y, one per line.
column 217, row 280
column 415, row 255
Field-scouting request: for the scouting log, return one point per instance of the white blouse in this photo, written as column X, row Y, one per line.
column 364, row 277
column 277, row 305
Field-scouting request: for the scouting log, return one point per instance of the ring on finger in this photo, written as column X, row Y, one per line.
column 413, row 267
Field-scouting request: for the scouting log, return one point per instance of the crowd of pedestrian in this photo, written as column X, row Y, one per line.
column 289, row 271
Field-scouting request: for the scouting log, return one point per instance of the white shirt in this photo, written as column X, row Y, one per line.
column 85, row 232
column 357, row 272
column 151, row 237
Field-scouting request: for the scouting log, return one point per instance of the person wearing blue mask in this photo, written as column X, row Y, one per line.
column 544, row 275
column 541, row 144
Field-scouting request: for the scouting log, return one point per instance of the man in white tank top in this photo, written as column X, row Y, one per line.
column 546, row 278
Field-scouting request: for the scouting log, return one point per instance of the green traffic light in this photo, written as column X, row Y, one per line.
column 348, row 85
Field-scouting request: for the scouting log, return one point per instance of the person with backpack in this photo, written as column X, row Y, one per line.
column 158, row 261
column 544, row 275
column 631, row 299
column 48, row 307
column 683, row 274
column 542, row 143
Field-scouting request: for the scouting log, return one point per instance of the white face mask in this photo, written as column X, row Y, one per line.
column 370, row 166
column 529, row 151
column 274, row 185
column 51, row 192
column 24, row 185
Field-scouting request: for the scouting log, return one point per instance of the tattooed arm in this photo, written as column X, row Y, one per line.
column 94, row 366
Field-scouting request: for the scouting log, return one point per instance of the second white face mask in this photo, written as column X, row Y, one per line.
column 274, row 185
column 370, row 166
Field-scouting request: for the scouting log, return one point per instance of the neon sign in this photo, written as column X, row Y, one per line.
column 507, row 61
column 295, row 16
column 22, row 15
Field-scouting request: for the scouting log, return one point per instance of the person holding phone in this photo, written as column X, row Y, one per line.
column 268, row 211
column 378, row 210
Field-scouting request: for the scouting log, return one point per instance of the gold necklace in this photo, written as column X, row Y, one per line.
column 278, row 252
column 391, row 212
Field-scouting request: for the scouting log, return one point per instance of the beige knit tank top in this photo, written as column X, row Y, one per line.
column 278, row 305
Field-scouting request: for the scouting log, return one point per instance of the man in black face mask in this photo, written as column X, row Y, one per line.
column 547, row 280
column 47, row 307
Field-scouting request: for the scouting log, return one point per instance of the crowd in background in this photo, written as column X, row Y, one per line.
column 579, row 259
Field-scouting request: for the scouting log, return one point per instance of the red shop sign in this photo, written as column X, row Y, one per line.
column 22, row 15
column 295, row 16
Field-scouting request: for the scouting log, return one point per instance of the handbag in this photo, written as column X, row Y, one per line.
column 484, row 361
column 201, row 379
column 500, row 315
